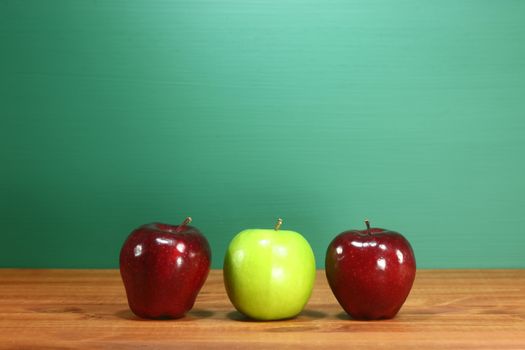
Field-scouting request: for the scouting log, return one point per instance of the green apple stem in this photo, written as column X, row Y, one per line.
column 278, row 224
column 367, row 223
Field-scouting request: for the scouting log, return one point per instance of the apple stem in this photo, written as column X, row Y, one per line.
column 186, row 221
column 367, row 223
column 278, row 224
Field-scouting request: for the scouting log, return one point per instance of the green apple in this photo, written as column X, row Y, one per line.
column 269, row 274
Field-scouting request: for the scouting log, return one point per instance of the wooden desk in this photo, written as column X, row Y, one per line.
column 73, row 309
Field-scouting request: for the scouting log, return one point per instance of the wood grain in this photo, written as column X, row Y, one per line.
column 87, row 309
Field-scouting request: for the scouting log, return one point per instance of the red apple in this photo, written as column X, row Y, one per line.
column 163, row 268
column 370, row 272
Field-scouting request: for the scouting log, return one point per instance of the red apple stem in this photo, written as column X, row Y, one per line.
column 186, row 221
column 278, row 224
column 367, row 223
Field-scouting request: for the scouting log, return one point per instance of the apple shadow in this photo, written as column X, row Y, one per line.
column 237, row 316
column 128, row 315
column 314, row 314
column 199, row 313
column 311, row 314
column 192, row 315
column 344, row 316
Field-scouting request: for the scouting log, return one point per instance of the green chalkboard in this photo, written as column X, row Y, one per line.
column 118, row 113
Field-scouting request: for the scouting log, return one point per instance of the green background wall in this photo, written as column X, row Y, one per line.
column 118, row 113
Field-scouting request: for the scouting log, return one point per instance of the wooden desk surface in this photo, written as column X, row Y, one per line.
column 73, row 309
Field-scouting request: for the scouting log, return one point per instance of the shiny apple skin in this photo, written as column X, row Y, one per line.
column 163, row 268
column 372, row 274
column 269, row 274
